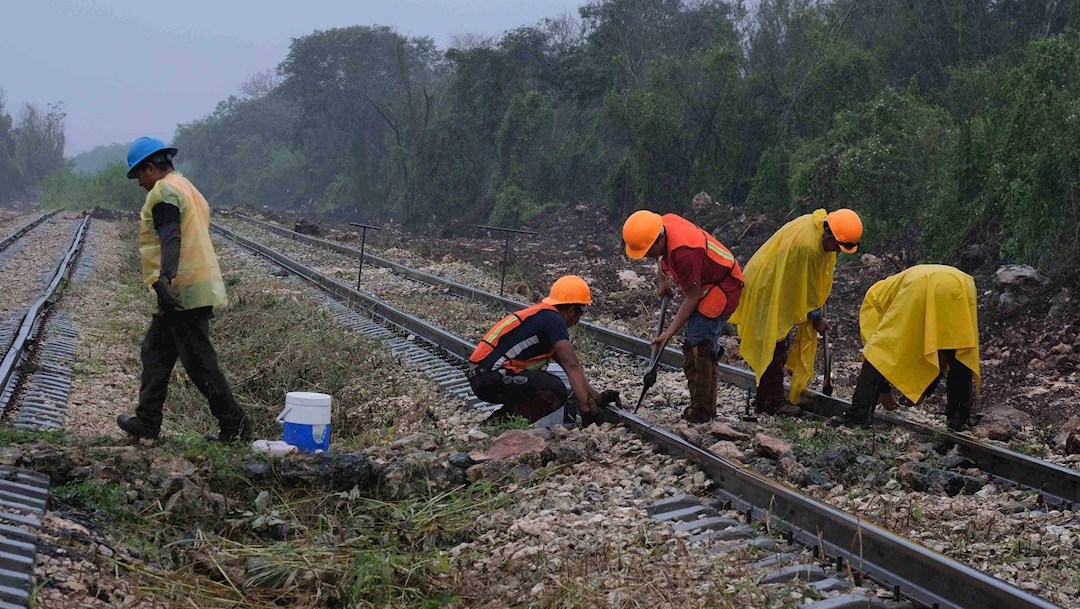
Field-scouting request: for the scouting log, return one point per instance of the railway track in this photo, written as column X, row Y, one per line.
column 913, row 571
column 15, row 236
column 35, row 374
column 1058, row 486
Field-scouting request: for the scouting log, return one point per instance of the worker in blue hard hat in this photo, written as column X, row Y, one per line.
column 180, row 266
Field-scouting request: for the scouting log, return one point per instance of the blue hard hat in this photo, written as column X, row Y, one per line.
column 142, row 149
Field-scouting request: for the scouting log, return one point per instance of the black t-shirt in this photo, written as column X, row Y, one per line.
column 535, row 336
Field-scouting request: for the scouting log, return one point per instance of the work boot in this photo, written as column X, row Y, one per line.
column 134, row 426
column 760, row 406
column 695, row 415
column 787, row 409
column 849, row 419
column 781, row 407
column 957, row 424
column 241, row 433
column 701, row 374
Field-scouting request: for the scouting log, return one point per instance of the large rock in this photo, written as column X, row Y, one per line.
column 631, row 280
column 1061, row 303
column 1072, row 443
column 516, row 442
column 837, row 458
column 921, row 477
column 771, row 447
column 728, row 450
column 701, row 203
column 419, row 473
column 724, row 431
column 419, row 441
column 1017, row 419
column 333, row 471
column 871, row 263
column 305, row 227
column 998, row 429
column 1020, row 285
column 1070, row 428
column 574, row 448
column 47, row 459
column 1020, row 277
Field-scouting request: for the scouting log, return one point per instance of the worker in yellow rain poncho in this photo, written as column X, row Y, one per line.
column 918, row 326
column 779, row 316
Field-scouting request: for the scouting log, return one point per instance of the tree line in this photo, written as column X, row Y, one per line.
column 945, row 122
column 31, row 147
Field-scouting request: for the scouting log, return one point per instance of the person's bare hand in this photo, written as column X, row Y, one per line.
column 592, row 399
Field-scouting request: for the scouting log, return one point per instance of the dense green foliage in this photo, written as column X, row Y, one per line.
column 31, row 147
column 94, row 160
column 944, row 123
column 108, row 188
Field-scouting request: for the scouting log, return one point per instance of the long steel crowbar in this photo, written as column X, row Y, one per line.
column 654, row 360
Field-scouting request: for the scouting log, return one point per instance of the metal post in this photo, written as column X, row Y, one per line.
column 506, row 250
column 502, row 275
column 363, row 240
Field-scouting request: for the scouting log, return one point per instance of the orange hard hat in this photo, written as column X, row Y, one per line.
column 569, row 289
column 846, row 226
column 640, row 231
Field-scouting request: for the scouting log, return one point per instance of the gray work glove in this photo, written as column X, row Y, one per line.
column 168, row 299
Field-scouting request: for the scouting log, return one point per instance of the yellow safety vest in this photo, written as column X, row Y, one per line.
column 198, row 280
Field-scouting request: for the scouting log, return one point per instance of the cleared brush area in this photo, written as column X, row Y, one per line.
column 186, row 522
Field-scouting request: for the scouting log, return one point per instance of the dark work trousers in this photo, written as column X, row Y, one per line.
column 184, row 335
column 868, row 387
column 532, row 394
column 959, row 389
column 771, row 388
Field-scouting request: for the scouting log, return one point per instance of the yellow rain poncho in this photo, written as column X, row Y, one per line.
column 907, row 318
column 789, row 276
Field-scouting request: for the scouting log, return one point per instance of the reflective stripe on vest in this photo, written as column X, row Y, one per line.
column 491, row 339
column 198, row 280
column 680, row 232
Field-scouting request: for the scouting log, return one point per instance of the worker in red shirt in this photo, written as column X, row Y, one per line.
column 710, row 281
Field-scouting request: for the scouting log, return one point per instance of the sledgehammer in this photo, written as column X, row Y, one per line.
column 654, row 360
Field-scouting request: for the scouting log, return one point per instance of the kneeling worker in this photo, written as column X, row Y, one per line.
column 918, row 326
column 507, row 366
column 710, row 281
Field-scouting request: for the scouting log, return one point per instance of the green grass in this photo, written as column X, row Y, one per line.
column 10, row 435
column 515, row 422
column 98, row 496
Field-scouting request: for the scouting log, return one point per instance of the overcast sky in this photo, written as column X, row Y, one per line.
column 125, row 68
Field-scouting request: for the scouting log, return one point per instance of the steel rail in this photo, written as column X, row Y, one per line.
column 917, row 572
column 13, row 237
column 23, row 338
column 1058, row 485
column 372, row 305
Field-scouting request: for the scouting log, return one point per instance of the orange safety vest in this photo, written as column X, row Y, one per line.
column 491, row 340
column 683, row 233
